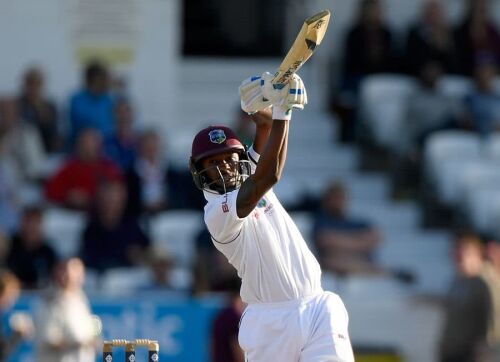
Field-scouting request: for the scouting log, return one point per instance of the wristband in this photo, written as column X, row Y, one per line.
column 283, row 113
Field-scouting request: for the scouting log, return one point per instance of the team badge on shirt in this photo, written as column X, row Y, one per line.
column 217, row 136
column 262, row 203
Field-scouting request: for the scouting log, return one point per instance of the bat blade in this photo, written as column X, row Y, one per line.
column 310, row 36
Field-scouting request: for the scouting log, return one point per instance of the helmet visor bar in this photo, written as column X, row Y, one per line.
column 217, row 181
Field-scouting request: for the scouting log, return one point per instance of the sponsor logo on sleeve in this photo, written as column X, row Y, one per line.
column 224, row 205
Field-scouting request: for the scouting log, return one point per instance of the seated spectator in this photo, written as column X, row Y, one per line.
column 345, row 244
column 10, row 289
column 92, row 106
column 225, row 328
column 30, row 257
column 491, row 275
column 112, row 238
column 121, row 146
column 154, row 186
column 482, row 105
column 38, row 110
column 148, row 180
column 21, row 141
column 75, row 183
column 65, row 327
column 368, row 49
column 476, row 36
column 431, row 40
column 468, row 304
column 10, row 180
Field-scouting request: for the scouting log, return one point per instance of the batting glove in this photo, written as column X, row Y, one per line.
column 291, row 95
column 251, row 96
column 284, row 98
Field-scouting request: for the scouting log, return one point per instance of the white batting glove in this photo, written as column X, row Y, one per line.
column 284, row 98
column 291, row 95
column 251, row 96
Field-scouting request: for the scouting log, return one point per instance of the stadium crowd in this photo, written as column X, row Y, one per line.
column 93, row 158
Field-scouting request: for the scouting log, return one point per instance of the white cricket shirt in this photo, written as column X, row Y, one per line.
column 266, row 247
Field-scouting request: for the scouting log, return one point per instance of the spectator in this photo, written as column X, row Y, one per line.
column 121, row 146
column 75, row 183
column 482, row 104
column 36, row 109
column 65, row 327
column 153, row 185
column 431, row 40
column 31, row 258
column 92, row 107
column 368, row 46
column 345, row 245
column 468, row 305
column 148, row 179
column 113, row 238
column 491, row 275
column 21, row 140
column 10, row 289
column 225, row 328
column 10, row 180
column 368, row 49
column 476, row 36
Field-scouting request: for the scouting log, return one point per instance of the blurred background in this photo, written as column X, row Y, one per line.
column 393, row 173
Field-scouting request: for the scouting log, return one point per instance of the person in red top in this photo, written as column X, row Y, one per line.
column 75, row 184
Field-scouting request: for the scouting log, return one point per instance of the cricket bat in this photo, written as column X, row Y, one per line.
column 310, row 36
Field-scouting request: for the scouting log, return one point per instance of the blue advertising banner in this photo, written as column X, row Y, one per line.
column 182, row 326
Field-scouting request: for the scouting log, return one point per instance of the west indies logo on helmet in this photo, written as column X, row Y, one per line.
column 211, row 141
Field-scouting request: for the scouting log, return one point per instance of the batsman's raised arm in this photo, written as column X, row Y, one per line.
column 271, row 137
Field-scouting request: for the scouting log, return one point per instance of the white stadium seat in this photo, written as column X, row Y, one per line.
column 492, row 147
column 175, row 231
column 452, row 144
column 482, row 208
column 455, row 86
column 305, row 223
column 64, row 229
column 446, row 153
column 123, row 281
column 383, row 104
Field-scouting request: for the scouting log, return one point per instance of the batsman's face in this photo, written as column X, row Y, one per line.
column 222, row 168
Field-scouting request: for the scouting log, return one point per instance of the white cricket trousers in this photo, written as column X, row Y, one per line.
column 312, row 329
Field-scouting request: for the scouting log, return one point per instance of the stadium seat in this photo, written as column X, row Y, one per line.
column 451, row 144
column 482, row 208
column 492, row 147
column 305, row 223
column 446, row 153
column 448, row 178
column 383, row 103
column 386, row 215
column 63, row 229
column 124, row 281
column 174, row 232
column 455, row 86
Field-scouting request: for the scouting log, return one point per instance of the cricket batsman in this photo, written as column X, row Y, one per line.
column 289, row 317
